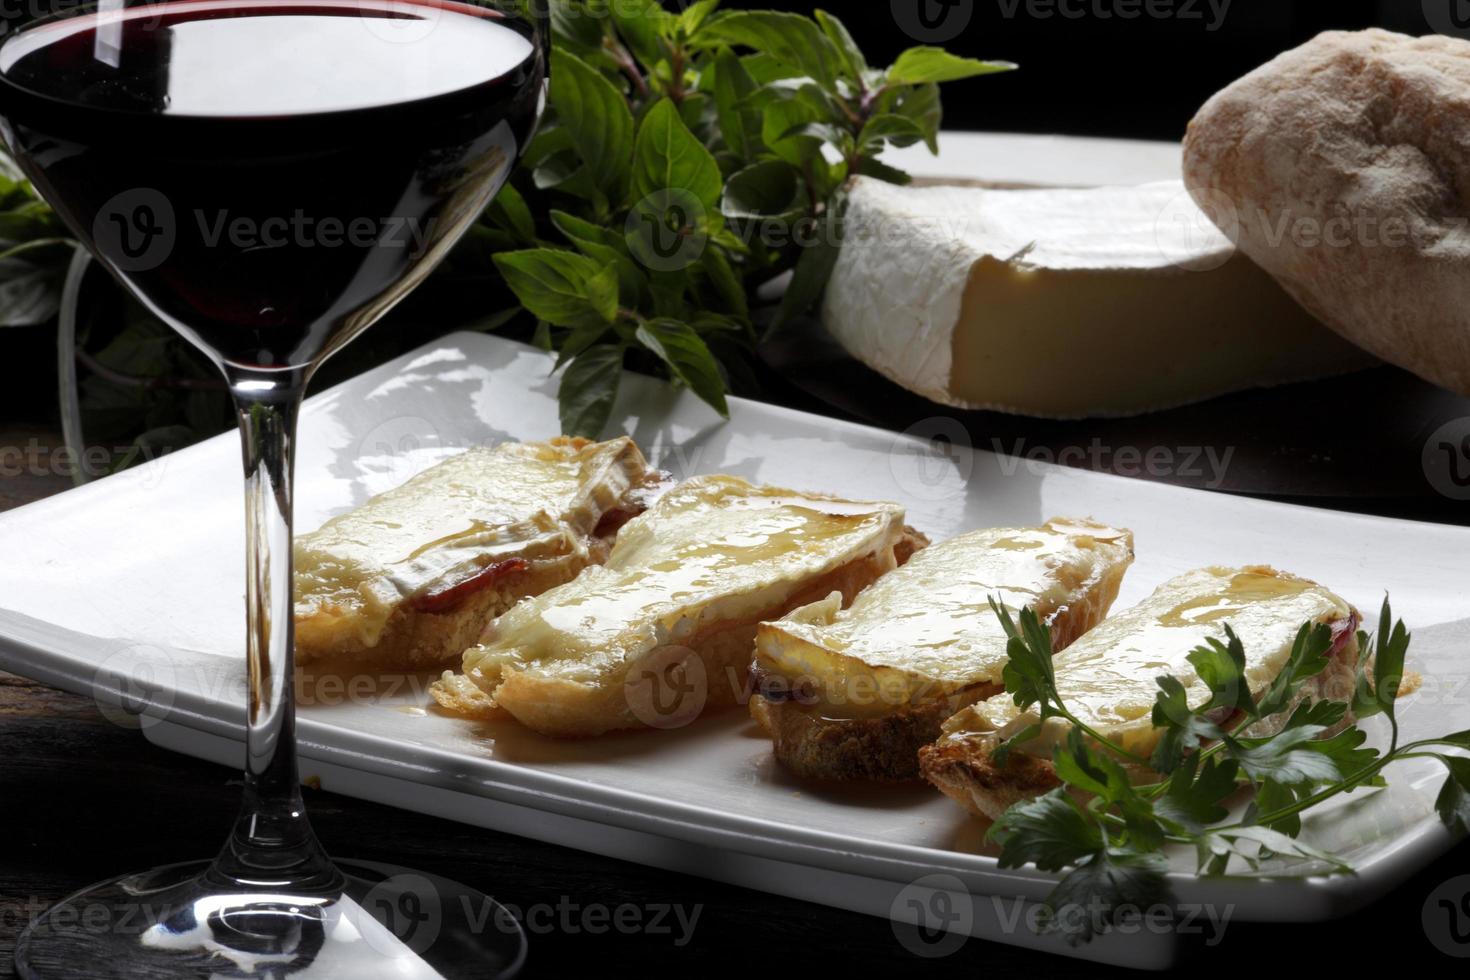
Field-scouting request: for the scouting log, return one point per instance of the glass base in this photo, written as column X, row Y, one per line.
column 187, row 921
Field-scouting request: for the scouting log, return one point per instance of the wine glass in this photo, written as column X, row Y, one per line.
column 269, row 177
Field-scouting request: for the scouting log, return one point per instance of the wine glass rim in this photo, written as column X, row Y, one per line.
column 54, row 105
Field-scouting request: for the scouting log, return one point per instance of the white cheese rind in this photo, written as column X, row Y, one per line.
column 1062, row 303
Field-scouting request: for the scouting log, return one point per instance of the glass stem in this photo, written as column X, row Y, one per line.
column 272, row 842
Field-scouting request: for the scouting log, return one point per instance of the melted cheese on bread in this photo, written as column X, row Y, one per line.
column 1108, row 677
column 537, row 502
column 927, row 629
column 712, row 550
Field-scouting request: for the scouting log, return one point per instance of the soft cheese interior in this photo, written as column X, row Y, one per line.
column 535, row 501
column 927, row 628
column 712, row 550
column 1063, row 303
column 1108, row 677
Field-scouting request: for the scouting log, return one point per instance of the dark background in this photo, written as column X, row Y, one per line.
column 1090, row 72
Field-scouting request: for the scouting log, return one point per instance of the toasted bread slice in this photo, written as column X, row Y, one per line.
column 1108, row 677
column 409, row 579
column 675, row 606
column 854, row 694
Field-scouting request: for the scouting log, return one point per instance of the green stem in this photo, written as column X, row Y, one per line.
column 1106, row 743
column 34, row 244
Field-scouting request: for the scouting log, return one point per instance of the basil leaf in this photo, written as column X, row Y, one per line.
column 602, row 293
column 877, row 169
column 510, row 211
column 892, row 128
column 668, row 157
column 681, row 347
column 596, row 116
column 588, row 390
column 739, row 122
column 641, row 23
column 725, row 281
column 694, row 16
column 853, row 62
column 917, row 66
column 782, row 125
column 768, row 189
column 791, row 39
column 923, row 106
column 553, row 285
column 29, row 294
column 813, row 271
column 608, row 248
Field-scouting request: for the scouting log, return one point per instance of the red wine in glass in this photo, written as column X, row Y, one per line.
column 269, row 177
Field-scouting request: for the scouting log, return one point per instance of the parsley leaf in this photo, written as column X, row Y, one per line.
column 1094, row 894
column 1109, row 824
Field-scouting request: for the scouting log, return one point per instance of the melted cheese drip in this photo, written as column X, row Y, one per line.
column 535, row 501
column 931, row 620
column 1107, row 678
column 712, row 550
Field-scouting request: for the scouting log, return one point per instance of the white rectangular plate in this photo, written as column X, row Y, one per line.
column 133, row 585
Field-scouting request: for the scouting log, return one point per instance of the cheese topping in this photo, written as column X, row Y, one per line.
column 928, row 628
column 713, row 550
column 532, row 501
column 1108, row 677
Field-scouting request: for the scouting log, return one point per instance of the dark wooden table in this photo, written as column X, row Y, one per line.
column 82, row 799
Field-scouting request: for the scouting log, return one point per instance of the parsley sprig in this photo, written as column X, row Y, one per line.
column 1107, row 825
column 684, row 160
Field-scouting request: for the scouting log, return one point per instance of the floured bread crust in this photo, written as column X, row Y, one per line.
column 1340, row 168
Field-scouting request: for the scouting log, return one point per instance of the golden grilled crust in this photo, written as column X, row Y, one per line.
column 883, row 749
column 962, row 769
column 567, row 709
column 413, row 639
column 962, row 766
column 886, row 748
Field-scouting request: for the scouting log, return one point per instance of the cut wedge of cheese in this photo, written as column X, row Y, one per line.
column 927, row 630
column 1110, row 301
column 403, row 577
column 686, row 581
